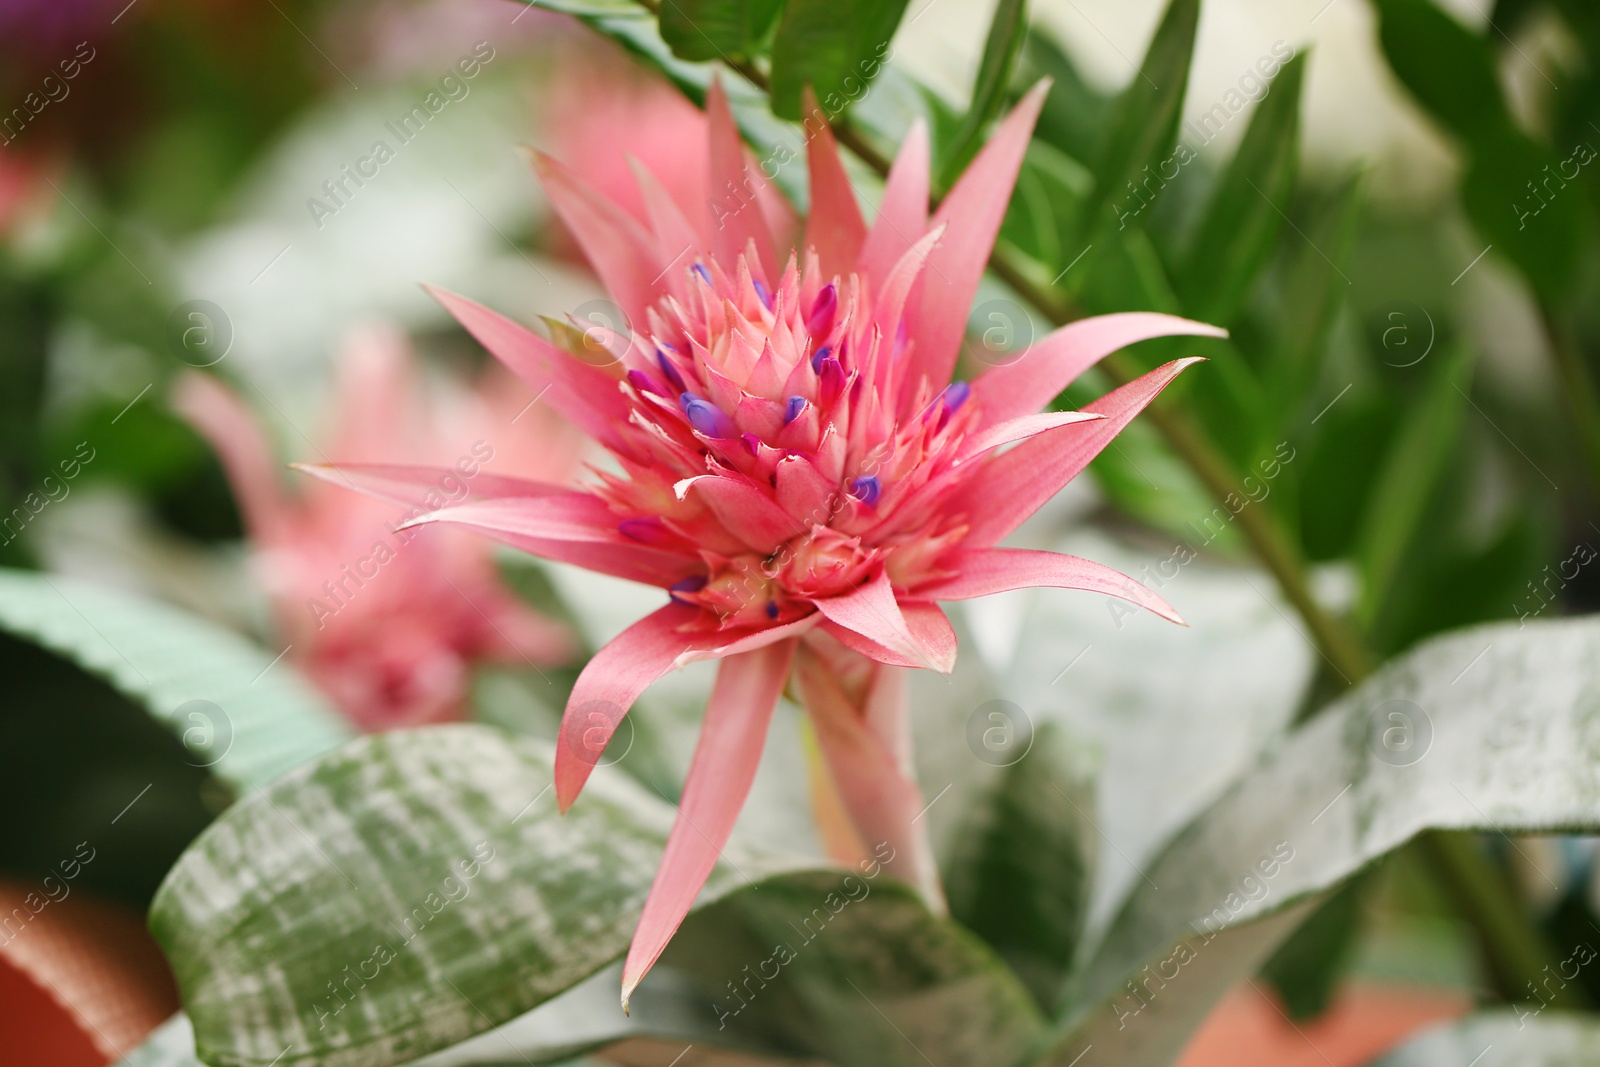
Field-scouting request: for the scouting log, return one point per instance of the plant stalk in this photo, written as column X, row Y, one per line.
column 1583, row 404
column 1480, row 892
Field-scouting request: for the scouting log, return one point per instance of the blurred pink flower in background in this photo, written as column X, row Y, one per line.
column 797, row 470
column 389, row 623
column 604, row 114
column 24, row 187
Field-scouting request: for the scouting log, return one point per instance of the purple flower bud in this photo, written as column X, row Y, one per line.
column 832, row 381
column 956, row 394
column 707, row 417
column 866, row 488
column 670, row 371
column 641, row 381
column 797, row 404
column 687, row 585
column 645, row 530
column 752, row 443
column 700, row 269
column 821, row 318
column 819, row 355
column 763, row 292
column 772, row 609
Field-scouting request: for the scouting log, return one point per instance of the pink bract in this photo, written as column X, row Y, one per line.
column 796, row 469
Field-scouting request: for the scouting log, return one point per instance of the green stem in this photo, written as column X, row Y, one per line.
column 1519, row 956
column 1578, row 386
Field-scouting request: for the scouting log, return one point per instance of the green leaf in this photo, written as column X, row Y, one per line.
column 1517, row 1036
column 1307, row 967
column 1043, row 215
column 837, row 52
column 1007, row 30
column 1241, row 224
column 879, row 983
column 701, row 30
column 1153, row 1032
column 1074, row 111
column 1409, row 479
column 1517, row 194
column 1317, row 288
column 413, row 889
column 1142, row 125
column 1172, row 739
column 1019, row 873
column 242, row 714
column 1512, row 750
column 170, row 1045
column 1448, row 68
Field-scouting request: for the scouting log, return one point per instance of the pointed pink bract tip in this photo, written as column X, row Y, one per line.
column 569, row 781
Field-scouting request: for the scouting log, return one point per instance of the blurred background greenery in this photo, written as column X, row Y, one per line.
column 1391, row 204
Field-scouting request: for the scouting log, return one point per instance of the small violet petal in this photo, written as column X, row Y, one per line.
column 797, row 404
column 763, row 292
column 819, row 355
column 866, row 488
column 707, row 417
column 832, row 376
column 955, row 394
column 641, row 381
column 687, row 585
column 821, row 318
column 670, row 371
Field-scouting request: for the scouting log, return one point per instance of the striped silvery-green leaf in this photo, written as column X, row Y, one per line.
column 1495, row 728
column 1503, row 1038
column 413, row 889
column 238, row 711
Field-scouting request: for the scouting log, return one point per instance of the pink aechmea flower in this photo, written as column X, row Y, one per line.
column 798, row 472
column 386, row 622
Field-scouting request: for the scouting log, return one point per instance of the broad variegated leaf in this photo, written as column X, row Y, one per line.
column 1494, row 728
column 1516, row 1037
column 411, row 890
column 240, row 712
